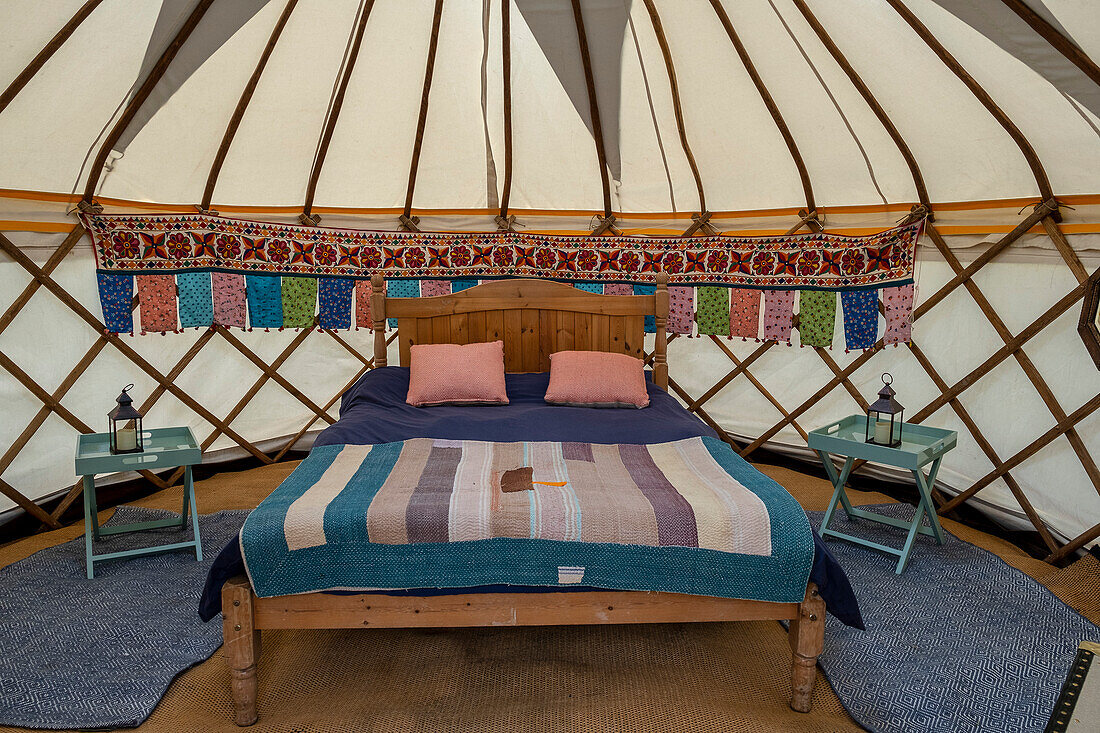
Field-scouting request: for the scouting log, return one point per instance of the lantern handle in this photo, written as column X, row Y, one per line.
column 127, row 388
column 884, row 376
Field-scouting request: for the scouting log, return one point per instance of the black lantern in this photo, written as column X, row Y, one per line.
column 125, row 423
column 885, row 416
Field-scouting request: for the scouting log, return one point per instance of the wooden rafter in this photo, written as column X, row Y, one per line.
column 506, row 73
column 408, row 221
column 769, row 102
column 594, row 113
column 141, row 95
column 46, row 53
column 677, row 108
column 242, row 105
column 334, row 111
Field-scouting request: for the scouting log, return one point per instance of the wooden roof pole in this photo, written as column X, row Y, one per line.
column 702, row 219
column 306, row 217
column 44, row 55
column 408, row 221
column 865, row 92
column 242, row 105
column 504, row 221
column 982, row 96
column 810, row 216
column 139, row 98
column 607, row 222
column 1054, row 37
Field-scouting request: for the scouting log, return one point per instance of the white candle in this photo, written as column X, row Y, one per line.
column 126, row 439
column 882, row 432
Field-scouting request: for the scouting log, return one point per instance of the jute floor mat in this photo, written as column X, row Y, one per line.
column 686, row 677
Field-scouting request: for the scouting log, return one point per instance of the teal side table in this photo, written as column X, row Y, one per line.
column 920, row 445
column 164, row 448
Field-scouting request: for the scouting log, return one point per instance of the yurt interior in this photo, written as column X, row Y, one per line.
column 550, row 365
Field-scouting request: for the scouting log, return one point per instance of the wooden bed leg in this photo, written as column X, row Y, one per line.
column 242, row 645
column 807, row 639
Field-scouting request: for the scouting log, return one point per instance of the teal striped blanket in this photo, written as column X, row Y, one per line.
column 689, row 516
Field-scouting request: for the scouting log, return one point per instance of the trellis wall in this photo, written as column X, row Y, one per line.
column 261, row 393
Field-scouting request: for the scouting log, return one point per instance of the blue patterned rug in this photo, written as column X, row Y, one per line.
column 960, row 641
column 79, row 653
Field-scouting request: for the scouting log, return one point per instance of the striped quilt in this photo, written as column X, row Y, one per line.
column 687, row 516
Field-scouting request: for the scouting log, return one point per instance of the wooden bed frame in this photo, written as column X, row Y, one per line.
column 534, row 318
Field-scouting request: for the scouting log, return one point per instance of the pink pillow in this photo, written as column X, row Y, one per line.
column 450, row 374
column 596, row 379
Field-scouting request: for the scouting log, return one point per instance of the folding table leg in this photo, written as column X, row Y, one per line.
column 91, row 524
column 925, row 486
column 838, row 488
column 922, row 506
column 189, row 496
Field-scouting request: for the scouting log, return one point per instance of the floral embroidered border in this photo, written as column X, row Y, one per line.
column 144, row 244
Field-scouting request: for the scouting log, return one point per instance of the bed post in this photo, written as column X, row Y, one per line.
column 242, row 646
column 660, row 343
column 807, row 640
column 378, row 318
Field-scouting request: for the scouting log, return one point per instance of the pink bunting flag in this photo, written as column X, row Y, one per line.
column 744, row 313
column 157, row 300
column 432, row 288
column 229, row 299
column 898, row 303
column 778, row 315
column 618, row 289
column 681, row 309
column 363, row 292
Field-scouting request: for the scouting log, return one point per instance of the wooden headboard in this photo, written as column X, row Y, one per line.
column 534, row 318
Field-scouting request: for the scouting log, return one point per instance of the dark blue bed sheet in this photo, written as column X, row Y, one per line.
column 374, row 411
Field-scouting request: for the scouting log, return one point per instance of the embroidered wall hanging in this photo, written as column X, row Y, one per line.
column 278, row 270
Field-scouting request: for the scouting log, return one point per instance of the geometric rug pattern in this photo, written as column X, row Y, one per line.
column 80, row 653
column 960, row 641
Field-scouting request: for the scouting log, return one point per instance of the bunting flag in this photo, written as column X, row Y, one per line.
column 650, row 322
column 618, row 289
column 157, row 301
column 816, row 318
column 589, row 287
column 433, row 288
column 899, row 313
column 196, row 304
column 265, row 301
column 299, row 302
column 403, row 289
column 778, row 315
column 713, row 305
column 860, row 318
column 744, row 313
column 681, row 309
column 116, row 294
column 334, row 297
column 362, row 304
column 229, row 299
column 458, row 286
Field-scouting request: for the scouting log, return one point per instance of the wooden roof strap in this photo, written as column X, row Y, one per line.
column 307, row 216
column 242, row 105
column 701, row 221
column 141, row 95
column 606, row 223
column 504, row 221
column 44, row 55
column 410, row 223
column 982, row 96
column 1054, row 37
column 865, row 92
column 810, row 215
